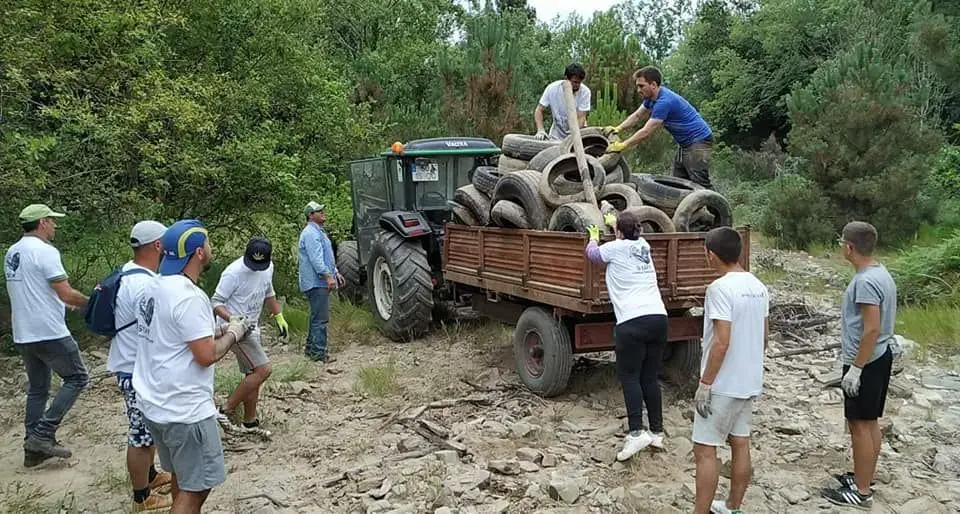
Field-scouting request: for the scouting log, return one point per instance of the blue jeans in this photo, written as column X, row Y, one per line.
column 61, row 356
column 319, row 298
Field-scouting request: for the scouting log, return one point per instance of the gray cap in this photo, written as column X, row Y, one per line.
column 312, row 207
column 146, row 232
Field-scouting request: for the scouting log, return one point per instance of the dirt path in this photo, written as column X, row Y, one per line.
column 350, row 436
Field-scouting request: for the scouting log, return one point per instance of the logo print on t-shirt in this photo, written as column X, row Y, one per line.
column 12, row 264
column 641, row 253
column 146, row 311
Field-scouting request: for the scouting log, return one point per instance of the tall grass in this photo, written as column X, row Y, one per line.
column 929, row 274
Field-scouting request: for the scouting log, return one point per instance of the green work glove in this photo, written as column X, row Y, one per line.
column 609, row 131
column 616, row 147
column 594, row 232
column 282, row 325
column 610, row 219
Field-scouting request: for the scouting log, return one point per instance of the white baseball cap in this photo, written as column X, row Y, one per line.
column 146, row 232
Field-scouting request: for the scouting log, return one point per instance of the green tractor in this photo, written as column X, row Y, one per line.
column 400, row 207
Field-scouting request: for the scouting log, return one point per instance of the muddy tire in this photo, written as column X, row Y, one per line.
column 664, row 191
column 653, row 220
column 508, row 164
column 523, row 146
column 681, row 364
column 463, row 216
column 400, row 288
column 476, row 202
column 690, row 215
column 621, row 196
column 575, row 217
column 521, row 187
column 540, row 161
column 543, row 352
column 485, row 179
column 348, row 262
column 560, row 182
column 508, row 214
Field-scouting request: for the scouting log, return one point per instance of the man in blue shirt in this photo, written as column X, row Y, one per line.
column 661, row 106
column 318, row 276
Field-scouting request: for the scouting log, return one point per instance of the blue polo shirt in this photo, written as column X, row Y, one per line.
column 681, row 120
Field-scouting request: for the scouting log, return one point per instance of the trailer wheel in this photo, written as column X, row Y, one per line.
column 401, row 289
column 348, row 262
column 681, row 364
column 542, row 349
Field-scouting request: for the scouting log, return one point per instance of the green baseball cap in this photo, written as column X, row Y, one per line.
column 312, row 207
column 38, row 211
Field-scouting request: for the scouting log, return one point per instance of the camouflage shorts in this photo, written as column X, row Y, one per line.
column 137, row 436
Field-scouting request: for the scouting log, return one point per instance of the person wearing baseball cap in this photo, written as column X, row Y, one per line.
column 173, row 370
column 137, row 274
column 245, row 285
column 318, row 276
column 39, row 293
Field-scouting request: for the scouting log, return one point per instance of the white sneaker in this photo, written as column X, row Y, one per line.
column 657, row 441
column 720, row 507
column 633, row 444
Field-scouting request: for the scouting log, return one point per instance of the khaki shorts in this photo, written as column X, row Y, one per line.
column 192, row 452
column 730, row 417
column 249, row 352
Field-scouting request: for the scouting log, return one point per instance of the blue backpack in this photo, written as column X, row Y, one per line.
column 100, row 312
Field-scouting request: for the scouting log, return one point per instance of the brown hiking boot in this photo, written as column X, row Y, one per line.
column 163, row 478
column 152, row 503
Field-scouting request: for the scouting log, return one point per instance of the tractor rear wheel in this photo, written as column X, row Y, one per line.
column 400, row 287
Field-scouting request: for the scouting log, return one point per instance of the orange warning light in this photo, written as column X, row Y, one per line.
column 397, row 147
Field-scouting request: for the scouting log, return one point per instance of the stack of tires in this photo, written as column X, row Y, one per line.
column 537, row 185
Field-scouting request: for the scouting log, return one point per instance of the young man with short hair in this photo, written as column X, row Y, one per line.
column 39, row 293
column 731, row 372
column 553, row 99
column 245, row 285
column 663, row 107
column 318, row 276
column 140, row 271
column 868, row 315
column 174, row 369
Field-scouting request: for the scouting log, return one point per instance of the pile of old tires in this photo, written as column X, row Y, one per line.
column 537, row 185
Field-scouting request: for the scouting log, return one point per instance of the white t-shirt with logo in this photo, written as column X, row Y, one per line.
column 171, row 386
column 552, row 97
column 29, row 266
column 631, row 279
column 123, row 347
column 740, row 298
column 245, row 289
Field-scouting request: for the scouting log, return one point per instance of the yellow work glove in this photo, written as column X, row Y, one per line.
column 609, row 131
column 610, row 219
column 594, row 232
column 282, row 325
column 616, row 147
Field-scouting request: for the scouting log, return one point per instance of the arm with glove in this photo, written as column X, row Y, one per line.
column 277, row 314
column 868, row 341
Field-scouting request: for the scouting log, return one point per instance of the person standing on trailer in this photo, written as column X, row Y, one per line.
column 640, row 335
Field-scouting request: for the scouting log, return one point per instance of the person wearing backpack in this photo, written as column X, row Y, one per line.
column 125, row 288
column 39, row 292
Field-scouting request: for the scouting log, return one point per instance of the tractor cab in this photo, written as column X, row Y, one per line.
column 407, row 188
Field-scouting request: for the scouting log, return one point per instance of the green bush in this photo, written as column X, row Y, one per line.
column 797, row 213
column 927, row 274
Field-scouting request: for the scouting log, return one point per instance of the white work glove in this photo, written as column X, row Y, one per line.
column 239, row 327
column 851, row 381
column 702, row 400
column 541, row 135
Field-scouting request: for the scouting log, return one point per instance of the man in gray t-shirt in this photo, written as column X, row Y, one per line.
column 868, row 316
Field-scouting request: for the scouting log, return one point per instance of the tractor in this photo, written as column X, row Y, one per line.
column 400, row 207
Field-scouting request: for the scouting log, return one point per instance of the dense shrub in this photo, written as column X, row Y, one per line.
column 797, row 213
column 929, row 274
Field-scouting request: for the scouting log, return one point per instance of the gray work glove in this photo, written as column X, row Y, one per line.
column 702, row 400
column 541, row 135
column 239, row 327
column 851, row 381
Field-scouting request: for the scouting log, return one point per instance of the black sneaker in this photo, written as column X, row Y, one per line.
column 848, row 497
column 48, row 447
column 847, row 480
column 252, row 424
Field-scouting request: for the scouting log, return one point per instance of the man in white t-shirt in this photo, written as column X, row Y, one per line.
column 553, row 99
column 731, row 372
column 640, row 334
column 245, row 285
column 137, row 274
column 39, row 292
column 174, row 368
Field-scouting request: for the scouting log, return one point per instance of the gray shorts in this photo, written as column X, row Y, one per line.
column 192, row 452
column 249, row 352
column 730, row 417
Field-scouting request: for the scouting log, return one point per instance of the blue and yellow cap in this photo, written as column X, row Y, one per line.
column 179, row 242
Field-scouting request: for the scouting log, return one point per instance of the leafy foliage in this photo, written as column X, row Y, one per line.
column 929, row 274
column 797, row 213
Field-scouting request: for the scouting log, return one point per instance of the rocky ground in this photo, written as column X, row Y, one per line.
column 441, row 425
